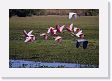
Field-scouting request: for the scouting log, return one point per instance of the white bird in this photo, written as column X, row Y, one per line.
column 45, row 35
column 60, row 29
column 69, row 28
column 29, row 36
column 71, row 14
column 58, row 39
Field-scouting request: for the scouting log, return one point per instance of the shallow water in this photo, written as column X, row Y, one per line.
column 34, row 64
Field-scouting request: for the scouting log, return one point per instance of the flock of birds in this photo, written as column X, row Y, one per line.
column 53, row 31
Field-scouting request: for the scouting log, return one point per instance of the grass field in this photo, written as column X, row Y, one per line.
column 50, row 51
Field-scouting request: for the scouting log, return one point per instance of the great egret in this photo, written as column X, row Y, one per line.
column 71, row 14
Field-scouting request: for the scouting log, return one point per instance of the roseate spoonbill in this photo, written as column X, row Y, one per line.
column 44, row 35
column 29, row 37
column 80, row 34
column 52, row 30
column 69, row 28
column 60, row 28
column 76, row 30
column 58, row 39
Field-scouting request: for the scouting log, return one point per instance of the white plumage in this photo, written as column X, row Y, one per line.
column 71, row 14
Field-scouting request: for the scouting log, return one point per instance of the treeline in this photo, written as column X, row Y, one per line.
column 38, row 12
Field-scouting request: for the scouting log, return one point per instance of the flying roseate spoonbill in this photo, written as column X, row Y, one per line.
column 59, row 29
column 70, row 28
column 45, row 35
column 58, row 39
column 80, row 34
column 52, row 30
column 29, row 37
column 49, row 29
column 76, row 30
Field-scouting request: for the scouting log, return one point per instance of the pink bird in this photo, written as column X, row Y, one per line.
column 59, row 29
column 44, row 35
column 69, row 28
column 29, row 37
column 53, row 31
column 78, row 32
column 58, row 39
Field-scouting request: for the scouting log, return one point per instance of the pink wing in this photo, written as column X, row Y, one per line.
column 58, row 37
column 71, row 26
column 61, row 28
column 25, row 33
column 29, row 33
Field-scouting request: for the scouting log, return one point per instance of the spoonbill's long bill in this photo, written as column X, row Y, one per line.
column 69, row 28
column 59, row 28
column 29, row 37
column 44, row 35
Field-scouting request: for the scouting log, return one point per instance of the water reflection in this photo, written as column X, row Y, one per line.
column 33, row 64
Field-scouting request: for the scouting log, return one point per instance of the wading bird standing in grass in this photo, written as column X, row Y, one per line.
column 29, row 37
column 60, row 28
column 45, row 35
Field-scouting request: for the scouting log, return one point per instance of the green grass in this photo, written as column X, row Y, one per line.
column 50, row 51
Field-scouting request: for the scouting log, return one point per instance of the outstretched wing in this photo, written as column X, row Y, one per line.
column 49, row 30
column 42, row 34
column 75, row 29
column 58, row 37
column 71, row 26
column 61, row 28
column 29, row 33
column 25, row 33
column 79, row 33
column 71, row 14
